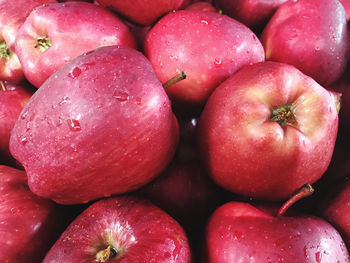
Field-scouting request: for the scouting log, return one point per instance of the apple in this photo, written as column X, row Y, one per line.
column 208, row 46
column 12, row 16
column 29, row 225
column 310, row 35
column 268, row 130
column 202, row 6
column 254, row 14
column 346, row 5
column 241, row 232
column 100, row 125
column 143, row 12
column 54, row 34
column 139, row 32
column 13, row 97
column 185, row 192
column 335, row 208
column 121, row 229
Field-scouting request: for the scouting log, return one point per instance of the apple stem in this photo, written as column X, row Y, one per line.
column 174, row 80
column 303, row 192
column 43, row 43
column 106, row 254
column 284, row 115
column 2, row 84
column 4, row 51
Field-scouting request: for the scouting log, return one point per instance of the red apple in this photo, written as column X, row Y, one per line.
column 28, row 223
column 268, row 130
column 346, row 5
column 100, row 125
column 144, row 12
column 185, row 192
column 121, row 229
column 312, row 35
column 335, row 208
column 240, row 232
column 12, row 16
column 202, row 6
column 208, row 46
column 13, row 97
column 253, row 13
column 54, row 34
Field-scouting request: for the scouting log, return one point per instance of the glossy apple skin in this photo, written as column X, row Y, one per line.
column 335, row 208
column 346, row 5
column 72, row 28
column 143, row 12
column 28, row 223
column 12, row 16
column 240, row 232
column 13, row 97
column 312, row 35
column 82, row 137
column 207, row 45
column 251, row 155
column 253, row 13
column 202, row 6
column 140, row 232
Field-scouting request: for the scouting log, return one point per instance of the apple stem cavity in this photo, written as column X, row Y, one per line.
column 284, row 115
column 43, row 43
column 303, row 192
column 106, row 254
column 174, row 80
column 4, row 51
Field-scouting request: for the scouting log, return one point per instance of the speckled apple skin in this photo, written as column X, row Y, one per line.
column 73, row 28
column 27, row 222
column 335, row 208
column 240, row 232
column 12, row 16
column 311, row 35
column 143, row 12
column 101, row 125
column 247, row 153
column 12, row 101
column 208, row 46
column 140, row 232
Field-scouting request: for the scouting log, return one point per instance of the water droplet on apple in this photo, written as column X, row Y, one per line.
column 217, row 61
column 75, row 73
column 138, row 101
column 280, row 259
column 205, row 21
column 121, row 95
column 318, row 256
column 74, row 125
column 64, row 100
column 24, row 115
column 59, row 122
column 28, row 126
column 24, row 140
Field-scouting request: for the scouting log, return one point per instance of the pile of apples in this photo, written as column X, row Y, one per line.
column 175, row 131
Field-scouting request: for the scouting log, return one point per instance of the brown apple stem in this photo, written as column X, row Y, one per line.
column 303, row 192
column 3, row 87
column 174, row 80
column 284, row 115
column 43, row 43
column 106, row 254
